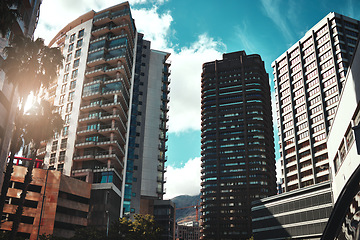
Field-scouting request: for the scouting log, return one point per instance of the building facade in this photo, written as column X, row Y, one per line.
column 343, row 149
column 237, row 155
column 8, row 96
column 148, row 130
column 309, row 78
column 110, row 95
column 344, row 154
column 298, row 214
column 55, row 204
column 188, row 231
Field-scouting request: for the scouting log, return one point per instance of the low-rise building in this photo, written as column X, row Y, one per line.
column 298, row 214
column 188, row 231
column 55, row 204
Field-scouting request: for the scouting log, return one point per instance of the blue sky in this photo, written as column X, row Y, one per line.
column 199, row 31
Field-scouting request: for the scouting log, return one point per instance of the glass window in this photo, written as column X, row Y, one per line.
column 71, row 47
column 65, row 131
column 68, row 58
column 71, row 96
column 66, row 76
column 63, row 143
column 78, row 53
column 62, row 156
column 52, row 158
column 67, row 118
column 74, row 74
column 76, row 63
column 72, row 37
column 61, row 100
column 72, row 85
column 54, row 145
column 67, row 67
column 81, row 33
column 69, row 107
column 63, row 88
column 79, row 43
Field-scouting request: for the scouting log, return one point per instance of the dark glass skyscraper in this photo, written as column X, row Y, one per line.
column 238, row 162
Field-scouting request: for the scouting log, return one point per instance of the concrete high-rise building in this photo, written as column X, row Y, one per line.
column 112, row 94
column 237, row 155
column 145, row 180
column 308, row 78
column 29, row 11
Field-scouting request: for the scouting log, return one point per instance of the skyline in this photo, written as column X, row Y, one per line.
column 201, row 35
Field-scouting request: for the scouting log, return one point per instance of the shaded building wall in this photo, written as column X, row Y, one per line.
column 298, row 214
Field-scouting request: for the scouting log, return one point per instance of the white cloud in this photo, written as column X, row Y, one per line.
column 243, row 35
column 55, row 14
column 185, row 180
column 185, row 93
column 272, row 10
column 155, row 27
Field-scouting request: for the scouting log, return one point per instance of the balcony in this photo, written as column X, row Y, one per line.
column 119, row 115
column 163, row 147
column 164, row 126
column 97, row 61
column 113, row 157
column 85, row 131
column 84, row 157
column 85, row 144
column 165, row 98
column 161, row 168
column 165, row 89
column 93, row 72
column 162, row 159
column 161, row 179
column 85, row 118
column 90, row 107
column 164, row 117
column 160, row 190
column 98, row 31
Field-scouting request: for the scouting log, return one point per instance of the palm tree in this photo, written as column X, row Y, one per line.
column 29, row 66
column 41, row 124
column 16, row 144
column 9, row 14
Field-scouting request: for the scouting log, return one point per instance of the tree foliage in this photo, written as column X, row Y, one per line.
column 41, row 123
column 30, row 64
column 141, row 228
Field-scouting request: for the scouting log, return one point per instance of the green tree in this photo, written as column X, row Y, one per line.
column 143, row 227
column 28, row 66
column 41, row 123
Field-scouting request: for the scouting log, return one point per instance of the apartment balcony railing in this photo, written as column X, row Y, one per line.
column 161, row 179
column 160, row 190
column 161, row 168
column 162, row 159
column 164, row 108
column 163, row 147
column 164, row 117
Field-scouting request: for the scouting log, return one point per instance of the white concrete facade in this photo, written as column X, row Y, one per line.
column 341, row 142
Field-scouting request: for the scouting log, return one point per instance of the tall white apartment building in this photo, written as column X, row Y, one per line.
column 110, row 94
column 308, row 78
